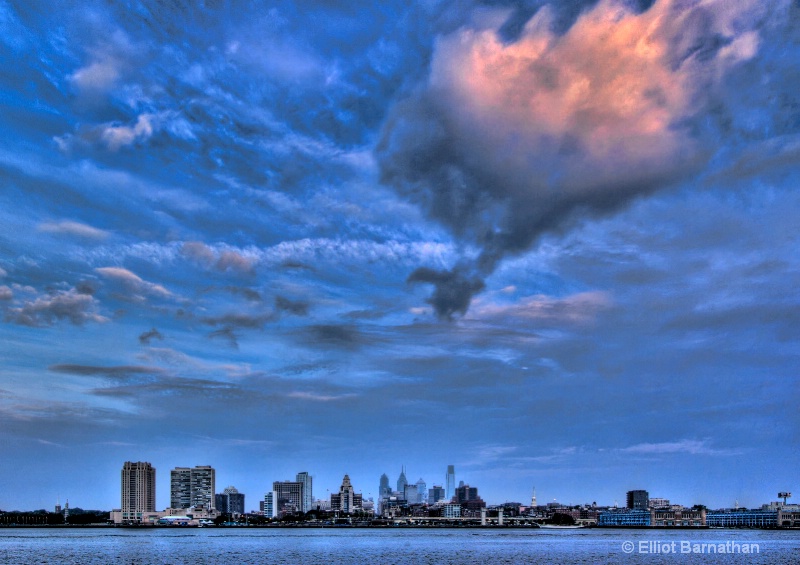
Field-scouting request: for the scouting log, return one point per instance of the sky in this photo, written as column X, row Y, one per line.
column 554, row 244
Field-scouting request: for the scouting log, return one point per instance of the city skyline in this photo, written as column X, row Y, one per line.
column 553, row 244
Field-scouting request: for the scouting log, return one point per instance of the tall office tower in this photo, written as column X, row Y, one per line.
column 346, row 500
column 288, row 497
column 410, row 494
column 308, row 497
column 383, row 488
column 192, row 487
column 450, row 482
column 638, row 499
column 533, row 498
column 231, row 501
column 401, row 480
column 138, row 490
column 422, row 490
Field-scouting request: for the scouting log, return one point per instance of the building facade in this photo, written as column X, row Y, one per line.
column 638, row 499
column 308, row 498
column 138, row 490
column 271, row 504
column 436, row 494
column 230, row 501
column 347, row 500
column 192, row 486
column 401, row 480
column 450, row 482
column 289, row 497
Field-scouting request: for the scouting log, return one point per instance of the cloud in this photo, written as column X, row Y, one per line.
column 577, row 308
column 320, row 397
column 454, row 289
column 76, row 229
column 97, row 76
column 116, row 136
column 146, row 337
column 133, row 282
column 508, row 140
column 108, row 371
column 686, row 446
column 6, row 293
column 228, row 335
column 296, row 307
column 226, row 260
column 46, row 310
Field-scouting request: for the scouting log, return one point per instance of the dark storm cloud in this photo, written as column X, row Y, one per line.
column 506, row 141
column 113, row 371
column 454, row 289
column 241, row 320
column 147, row 336
column 296, row 307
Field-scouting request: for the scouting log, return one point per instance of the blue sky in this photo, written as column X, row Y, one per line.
column 553, row 244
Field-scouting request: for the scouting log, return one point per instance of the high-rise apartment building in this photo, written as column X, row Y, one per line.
column 138, row 490
column 450, row 482
column 308, row 497
column 271, row 504
column 230, row 501
column 192, row 486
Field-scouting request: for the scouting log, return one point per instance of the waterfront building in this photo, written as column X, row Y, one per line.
column 138, row 491
column 401, row 480
column 451, row 510
column 684, row 517
column 230, row 501
column 659, row 503
column 289, row 497
column 435, row 494
column 450, row 482
column 193, row 486
column 624, row 517
column 743, row 518
column 638, row 499
column 308, row 498
column 346, row 500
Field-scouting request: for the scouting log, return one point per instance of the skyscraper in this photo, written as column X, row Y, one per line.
column 308, row 497
column 401, row 480
column 192, row 487
column 383, row 488
column 422, row 491
column 138, row 490
column 450, row 482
